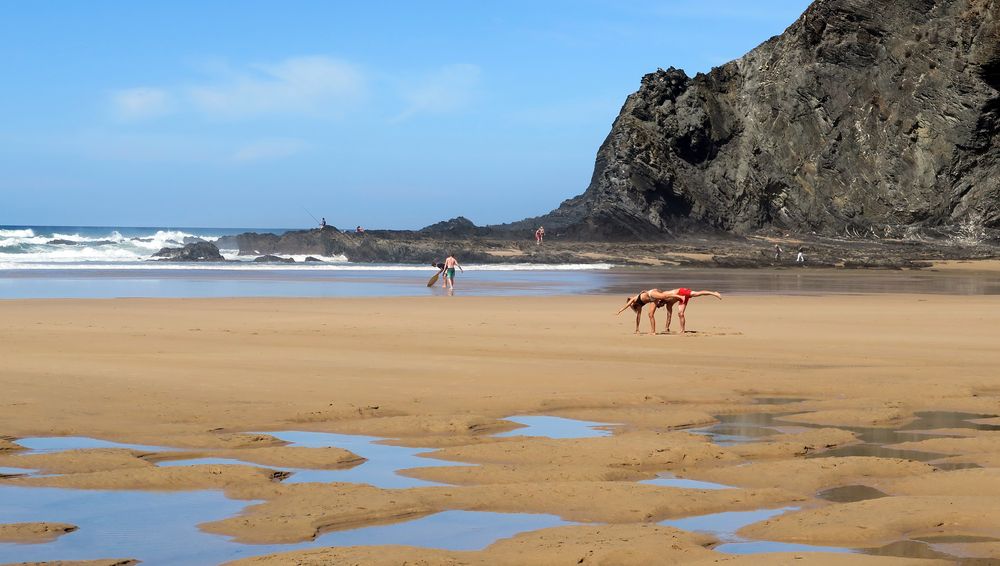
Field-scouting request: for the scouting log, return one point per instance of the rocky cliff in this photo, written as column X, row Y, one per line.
column 865, row 116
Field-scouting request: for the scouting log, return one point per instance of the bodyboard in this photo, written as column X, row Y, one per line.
column 434, row 279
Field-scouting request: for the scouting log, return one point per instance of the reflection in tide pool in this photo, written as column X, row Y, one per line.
column 554, row 427
column 159, row 528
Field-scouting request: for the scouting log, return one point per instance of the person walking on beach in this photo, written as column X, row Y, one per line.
column 777, row 252
column 540, row 235
column 450, row 263
column 801, row 258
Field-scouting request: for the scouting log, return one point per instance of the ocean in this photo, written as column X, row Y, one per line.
column 116, row 261
column 61, row 262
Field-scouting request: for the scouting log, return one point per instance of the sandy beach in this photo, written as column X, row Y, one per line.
column 211, row 377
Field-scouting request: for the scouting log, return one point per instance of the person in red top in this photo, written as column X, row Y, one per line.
column 540, row 235
column 685, row 295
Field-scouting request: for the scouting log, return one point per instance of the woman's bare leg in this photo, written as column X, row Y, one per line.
column 706, row 293
column 680, row 315
column 670, row 313
column 652, row 319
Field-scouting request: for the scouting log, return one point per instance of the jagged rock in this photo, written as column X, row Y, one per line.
column 460, row 226
column 312, row 259
column 273, row 259
column 199, row 251
column 864, row 115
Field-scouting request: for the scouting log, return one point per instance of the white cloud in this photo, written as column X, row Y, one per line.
column 318, row 86
column 269, row 149
column 141, row 103
column 448, row 89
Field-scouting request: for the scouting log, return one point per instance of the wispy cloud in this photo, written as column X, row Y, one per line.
column 268, row 149
column 317, row 86
column 448, row 89
column 140, row 103
column 312, row 86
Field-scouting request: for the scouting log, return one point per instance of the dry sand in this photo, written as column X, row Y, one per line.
column 443, row 372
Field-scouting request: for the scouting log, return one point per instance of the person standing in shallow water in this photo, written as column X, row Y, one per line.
column 450, row 263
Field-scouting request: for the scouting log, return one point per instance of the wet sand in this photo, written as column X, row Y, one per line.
column 211, row 377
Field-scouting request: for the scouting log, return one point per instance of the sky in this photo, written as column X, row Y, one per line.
column 386, row 114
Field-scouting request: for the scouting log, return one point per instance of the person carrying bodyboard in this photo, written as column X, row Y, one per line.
column 434, row 279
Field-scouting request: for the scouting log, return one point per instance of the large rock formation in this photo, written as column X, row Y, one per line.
column 864, row 116
column 198, row 251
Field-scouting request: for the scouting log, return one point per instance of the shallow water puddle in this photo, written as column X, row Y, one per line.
column 379, row 469
column 670, row 480
column 160, row 528
column 48, row 444
column 753, row 427
column 15, row 471
column 153, row 526
column 723, row 526
column 555, row 427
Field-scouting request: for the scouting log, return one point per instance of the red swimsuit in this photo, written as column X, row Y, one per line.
column 686, row 293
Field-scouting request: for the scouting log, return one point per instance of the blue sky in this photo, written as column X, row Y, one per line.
column 385, row 114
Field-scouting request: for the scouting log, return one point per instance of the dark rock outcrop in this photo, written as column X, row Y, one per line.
column 460, row 226
column 273, row 259
column 864, row 116
column 198, row 251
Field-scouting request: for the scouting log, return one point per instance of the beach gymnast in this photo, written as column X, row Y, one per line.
column 681, row 297
column 655, row 297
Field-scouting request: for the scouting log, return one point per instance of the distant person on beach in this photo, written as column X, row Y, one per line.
column 440, row 266
column 322, row 223
column 777, row 252
column 801, row 258
column 655, row 297
column 540, row 235
column 450, row 263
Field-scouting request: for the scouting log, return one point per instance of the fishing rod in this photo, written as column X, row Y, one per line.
column 310, row 214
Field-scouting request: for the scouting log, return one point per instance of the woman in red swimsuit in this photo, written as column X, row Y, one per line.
column 684, row 295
